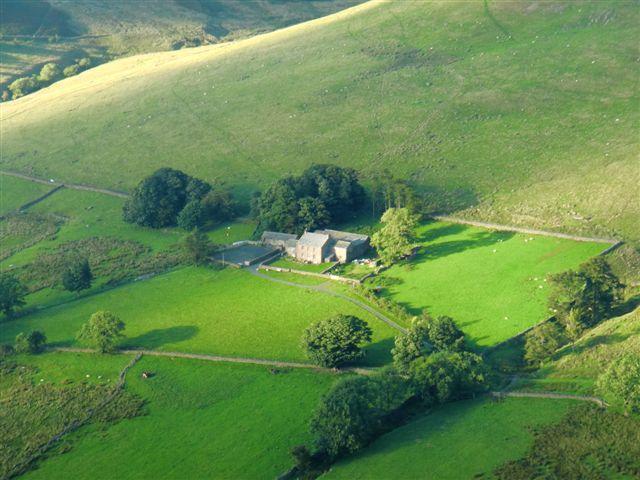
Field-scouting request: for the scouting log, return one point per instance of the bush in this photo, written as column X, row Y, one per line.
column 71, row 70
column 337, row 340
column 30, row 343
column 621, row 380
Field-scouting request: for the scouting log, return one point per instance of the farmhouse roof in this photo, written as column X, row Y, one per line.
column 279, row 236
column 344, row 236
column 313, row 239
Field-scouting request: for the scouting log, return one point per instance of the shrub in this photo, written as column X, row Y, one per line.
column 337, row 340
column 30, row 343
column 622, row 381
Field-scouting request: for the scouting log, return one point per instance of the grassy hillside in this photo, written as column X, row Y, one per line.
column 36, row 31
column 461, row 440
column 202, row 420
column 521, row 112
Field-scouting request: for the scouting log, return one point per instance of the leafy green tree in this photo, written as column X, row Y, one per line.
column 49, row 73
column 347, row 416
column 446, row 375
column 219, row 205
column 411, row 345
column 102, row 331
column 542, row 342
column 622, row 381
column 30, row 343
column 312, row 213
column 396, row 237
column 159, row 198
column 192, row 215
column 591, row 291
column 444, row 334
column 12, row 293
column 336, row 340
column 22, row 86
column 198, row 247
column 71, row 70
column 77, row 276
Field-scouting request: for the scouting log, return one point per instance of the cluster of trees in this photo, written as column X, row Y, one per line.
column 49, row 73
column 579, row 300
column 335, row 341
column 430, row 367
column 321, row 195
column 170, row 197
column 388, row 191
column 396, row 239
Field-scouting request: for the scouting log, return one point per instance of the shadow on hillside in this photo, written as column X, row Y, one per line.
column 442, row 231
column 477, row 240
column 626, row 307
column 161, row 336
column 376, row 354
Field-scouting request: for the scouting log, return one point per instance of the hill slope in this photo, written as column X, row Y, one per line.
column 521, row 112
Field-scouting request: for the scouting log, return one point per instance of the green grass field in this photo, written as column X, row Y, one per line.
column 492, row 283
column 461, row 440
column 204, row 420
column 287, row 262
column 15, row 192
column 225, row 312
column 523, row 114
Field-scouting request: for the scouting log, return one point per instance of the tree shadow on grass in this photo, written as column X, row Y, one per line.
column 477, row 240
column 376, row 354
column 442, row 231
column 161, row 336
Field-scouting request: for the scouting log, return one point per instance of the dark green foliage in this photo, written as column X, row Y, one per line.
column 192, row 215
column 621, row 381
column 337, row 340
column 159, row 198
column 30, row 343
column 198, row 247
column 219, row 205
column 388, row 191
column 102, row 331
column 445, row 376
column 6, row 350
column 444, row 334
column 587, row 294
column 588, row 444
column 77, row 276
column 12, row 293
column 321, row 195
column 542, row 341
column 412, row 345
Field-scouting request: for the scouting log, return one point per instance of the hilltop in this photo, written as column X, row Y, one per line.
column 520, row 113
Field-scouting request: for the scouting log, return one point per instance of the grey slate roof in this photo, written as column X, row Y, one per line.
column 278, row 236
column 344, row 236
column 313, row 239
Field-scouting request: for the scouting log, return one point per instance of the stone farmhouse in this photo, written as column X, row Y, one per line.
column 319, row 246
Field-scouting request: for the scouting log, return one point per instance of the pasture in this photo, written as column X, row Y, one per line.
column 15, row 192
column 198, row 310
column 522, row 115
column 203, row 420
column 467, row 439
column 492, row 283
column 288, row 262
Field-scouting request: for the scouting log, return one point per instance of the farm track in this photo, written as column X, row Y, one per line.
column 221, row 359
column 73, row 186
column 319, row 288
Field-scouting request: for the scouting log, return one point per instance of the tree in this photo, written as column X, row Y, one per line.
column 77, row 276
column 445, row 376
column 49, row 72
column 12, row 293
column 395, row 239
column 411, row 345
column 22, row 86
column 591, row 292
column 444, row 334
column 219, row 205
column 347, row 416
column 542, row 342
column 337, row 340
column 159, row 198
column 198, row 247
column 102, row 331
column 192, row 215
column 31, row 343
column 312, row 213
column 71, row 70
column 622, row 381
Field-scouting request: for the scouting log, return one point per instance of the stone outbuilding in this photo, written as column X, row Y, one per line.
column 312, row 247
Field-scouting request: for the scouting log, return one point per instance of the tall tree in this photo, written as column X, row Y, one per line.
column 12, row 293
column 444, row 334
column 198, row 247
column 77, row 276
column 411, row 345
column 396, row 237
column 102, row 331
